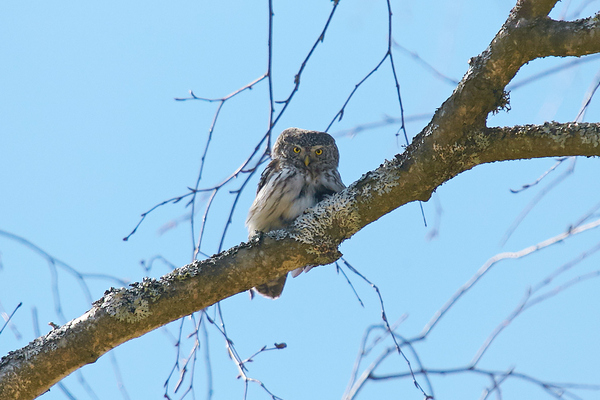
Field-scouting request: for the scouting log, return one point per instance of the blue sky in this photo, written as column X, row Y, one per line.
column 91, row 137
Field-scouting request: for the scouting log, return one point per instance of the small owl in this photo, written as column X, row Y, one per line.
column 302, row 172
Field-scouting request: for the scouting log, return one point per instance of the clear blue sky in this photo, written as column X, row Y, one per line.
column 91, row 137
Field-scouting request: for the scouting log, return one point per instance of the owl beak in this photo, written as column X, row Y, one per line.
column 306, row 160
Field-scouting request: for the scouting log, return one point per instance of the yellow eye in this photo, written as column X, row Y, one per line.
column 319, row 152
column 296, row 149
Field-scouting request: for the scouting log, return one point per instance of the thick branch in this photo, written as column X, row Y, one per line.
column 123, row 314
column 518, row 42
column 455, row 141
column 533, row 8
column 415, row 174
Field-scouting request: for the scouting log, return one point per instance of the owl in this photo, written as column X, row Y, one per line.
column 302, row 172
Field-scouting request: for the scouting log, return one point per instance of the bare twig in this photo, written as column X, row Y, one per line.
column 386, row 120
column 428, row 67
column 493, row 261
column 559, row 161
column 528, row 301
column 53, row 263
column 540, row 195
column 207, row 363
column 338, row 270
column 340, row 114
column 590, row 213
column 241, row 364
column 173, row 200
column 387, row 325
column 362, row 353
column 147, row 265
column 186, row 366
column 297, row 77
column 259, row 155
column 551, row 71
column 118, row 377
column 395, row 75
column 7, row 317
column 211, row 130
column 388, row 55
column 177, row 356
column 366, row 375
column 556, row 389
column 238, row 193
column 85, row 385
column 575, row 14
column 437, row 221
column 588, row 97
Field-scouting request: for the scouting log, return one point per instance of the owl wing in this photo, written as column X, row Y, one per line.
column 274, row 288
column 261, row 216
column 330, row 182
column 266, row 174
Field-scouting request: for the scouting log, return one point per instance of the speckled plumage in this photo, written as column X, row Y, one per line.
column 303, row 170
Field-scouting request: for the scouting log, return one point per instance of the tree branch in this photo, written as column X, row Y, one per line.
column 533, row 8
column 454, row 141
column 123, row 314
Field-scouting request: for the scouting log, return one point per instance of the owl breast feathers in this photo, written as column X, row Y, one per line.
column 303, row 170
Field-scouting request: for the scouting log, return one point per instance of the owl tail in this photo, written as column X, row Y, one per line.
column 273, row 289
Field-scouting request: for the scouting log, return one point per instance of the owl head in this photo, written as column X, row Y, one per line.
column 306, row 149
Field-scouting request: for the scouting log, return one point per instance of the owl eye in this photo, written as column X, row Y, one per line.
column 319, row 152
column 296, row 149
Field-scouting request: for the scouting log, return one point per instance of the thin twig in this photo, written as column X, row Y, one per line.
column 207, row 363
column 588, row 98
column 238, row 193
column 395, row 75
column 579, row 10
column 176, row 366
column 591, row 212
column 366, row 375
column 340, row 114
column 53, row 264
column 7, row 318
column 551, row 71
column 338, row 270
column 249, row 167
column 173, row 200
column 387, row 325
column 559, row 161
column 437, row 221
column 553, row 184
column 240, row 364
column 297, row 77
column 493, row 261
column 428, row 67
column 552, row 388
column 386, row 120
column 118, row 376
column 147, row 265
